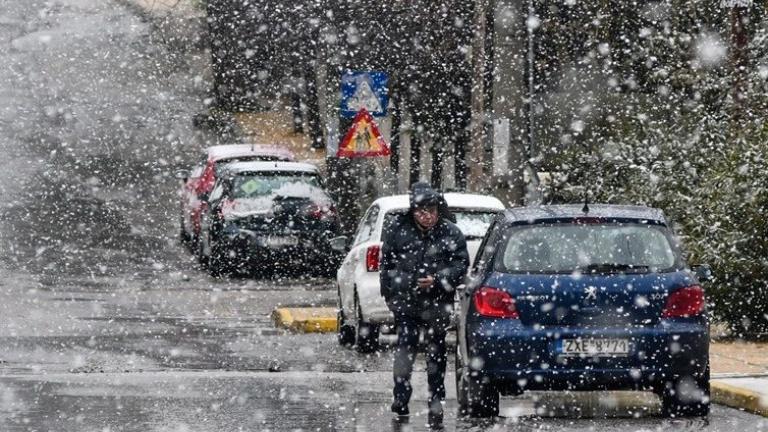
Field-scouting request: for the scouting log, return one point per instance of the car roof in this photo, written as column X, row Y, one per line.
column 227, row 151
column 572, row 211
column 453, row 199
column 270, row 166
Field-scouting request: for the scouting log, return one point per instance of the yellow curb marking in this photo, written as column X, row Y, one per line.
column 736, row 397
column 306, row 320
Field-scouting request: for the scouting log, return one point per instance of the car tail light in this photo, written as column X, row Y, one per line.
column 373, row 258
column 321, row 212
column 685, row 302
column 492, row 302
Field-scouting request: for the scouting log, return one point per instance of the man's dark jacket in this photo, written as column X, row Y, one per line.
column 408, row 254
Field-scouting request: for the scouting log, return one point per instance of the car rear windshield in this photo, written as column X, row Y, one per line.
column 274, row 183
column 222, row 164
column 587, row 248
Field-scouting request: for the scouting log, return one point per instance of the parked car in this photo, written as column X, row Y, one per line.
column 199, row 182
column 560, row 299
column 264, row 214
column 362, row 309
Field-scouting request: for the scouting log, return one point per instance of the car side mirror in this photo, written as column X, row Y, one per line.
column 339, row 244
column 182, row 175
column 703, row 272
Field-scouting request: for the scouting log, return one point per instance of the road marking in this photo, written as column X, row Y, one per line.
column 306, row 319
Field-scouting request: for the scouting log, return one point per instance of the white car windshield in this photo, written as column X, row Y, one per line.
column 473, row 224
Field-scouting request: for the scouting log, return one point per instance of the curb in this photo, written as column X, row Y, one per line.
column 737, row 397
column 305, row 320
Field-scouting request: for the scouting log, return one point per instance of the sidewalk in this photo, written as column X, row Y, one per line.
column 740, row 375
column 271, row 127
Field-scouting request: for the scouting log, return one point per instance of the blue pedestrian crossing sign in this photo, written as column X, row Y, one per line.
column 364, row 90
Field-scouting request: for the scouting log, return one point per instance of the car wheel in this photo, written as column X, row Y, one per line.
column 367, row 334
column 219, row 262
column 183, row 235
column 325, row 263
column 686, row 396
column 200, row 252
column 329, row 267
column 461, row 386
column 345, row 332
column 476, row 395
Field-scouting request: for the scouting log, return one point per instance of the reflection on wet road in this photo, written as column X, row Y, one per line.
column 263, row 401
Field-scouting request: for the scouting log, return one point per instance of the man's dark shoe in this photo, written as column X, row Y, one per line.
column 400, row 423
column 400, row 409
column 435, row 421
column 435, row 415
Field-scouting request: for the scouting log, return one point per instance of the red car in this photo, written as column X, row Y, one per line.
column 199, row 182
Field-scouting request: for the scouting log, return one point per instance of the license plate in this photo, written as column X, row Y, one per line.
column 279, row 241
column 609, row 347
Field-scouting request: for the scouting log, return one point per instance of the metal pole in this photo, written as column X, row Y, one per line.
column 394, row 158
column 476, row 156
column 531, row 89
column 533, row 194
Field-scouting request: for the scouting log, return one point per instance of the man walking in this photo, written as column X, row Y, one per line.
column 424, row 259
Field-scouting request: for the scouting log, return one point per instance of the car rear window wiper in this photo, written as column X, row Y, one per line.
column 615, row 267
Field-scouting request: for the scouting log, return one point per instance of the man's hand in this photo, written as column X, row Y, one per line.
column 425, row 283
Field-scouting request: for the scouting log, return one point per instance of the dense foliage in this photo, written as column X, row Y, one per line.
column 692, row 148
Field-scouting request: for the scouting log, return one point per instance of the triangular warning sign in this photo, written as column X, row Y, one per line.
column 363, row 138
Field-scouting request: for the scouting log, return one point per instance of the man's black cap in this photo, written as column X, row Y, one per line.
column 422, row 195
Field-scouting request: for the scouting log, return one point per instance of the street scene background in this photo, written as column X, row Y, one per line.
column 107, row 323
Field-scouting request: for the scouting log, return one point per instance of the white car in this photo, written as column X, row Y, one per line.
column 362, row 309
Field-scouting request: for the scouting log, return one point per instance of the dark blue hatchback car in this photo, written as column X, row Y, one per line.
column 576, row 298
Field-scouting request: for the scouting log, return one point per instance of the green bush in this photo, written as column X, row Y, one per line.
column 713, row 187
column 703, row 160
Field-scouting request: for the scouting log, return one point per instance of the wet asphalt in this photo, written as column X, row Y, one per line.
column 106, row 321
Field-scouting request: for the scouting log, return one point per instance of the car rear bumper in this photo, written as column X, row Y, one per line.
column 511, row 382
column 308, row 246
column 511, row 356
